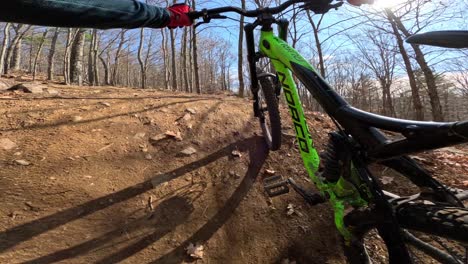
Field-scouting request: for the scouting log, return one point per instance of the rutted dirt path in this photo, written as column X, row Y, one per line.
column 107, row 175
column 86, row 184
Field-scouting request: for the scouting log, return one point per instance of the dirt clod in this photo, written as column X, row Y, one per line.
column 191, row 111
column 7, row 144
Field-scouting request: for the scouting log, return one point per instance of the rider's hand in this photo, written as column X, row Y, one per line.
column 179, row 17
column 361, row 2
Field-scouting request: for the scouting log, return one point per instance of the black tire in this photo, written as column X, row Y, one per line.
column 425, row 226
column 268, row 102
column 447, row 222
column 447, row 226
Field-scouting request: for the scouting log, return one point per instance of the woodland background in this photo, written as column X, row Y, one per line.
column 360, row 51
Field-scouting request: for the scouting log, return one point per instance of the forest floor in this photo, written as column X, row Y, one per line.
column 106, row 175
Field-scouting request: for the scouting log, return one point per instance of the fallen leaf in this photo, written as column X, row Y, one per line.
column 236, row 153
column 23, row 162
column 386, row 180
column 419, row 158
column 105, row 104
column 188, row 151
column 290, row 209
column 195, row 251
column 172, row 134
column 157, row 138
column 191, row 111
column 139, row 135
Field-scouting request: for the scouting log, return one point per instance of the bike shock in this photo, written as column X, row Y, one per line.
column 334, row 158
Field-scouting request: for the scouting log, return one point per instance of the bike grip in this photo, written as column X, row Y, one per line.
column 195, row 14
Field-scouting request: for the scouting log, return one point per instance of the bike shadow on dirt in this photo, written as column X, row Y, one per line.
column 258, row 152
column 169, row 214
column 257, row 157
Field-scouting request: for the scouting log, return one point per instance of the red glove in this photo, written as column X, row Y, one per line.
column 361, row 2
column 179, row 17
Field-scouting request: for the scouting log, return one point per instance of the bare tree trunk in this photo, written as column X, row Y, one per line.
column 184, row 61
column 31, row 49
column 195, row 56
column 95, row 58
column 105, row 64
column 318, row 44
column 128, row 67
column 173, row 60
column 165, row 58
column 14, row 50
column 240, row 55
column 6, row 38
column 190, row 63
column 140, row 59
column 16, row 59
column 115, row 72
column 93, row 68
column 51, row 57
column 427, row 71
column 38, row 53
column 67, row 56
column 76, row 70
column 91, row 77
column 418, row 108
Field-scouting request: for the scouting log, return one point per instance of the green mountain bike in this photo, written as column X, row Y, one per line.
column 423, row 221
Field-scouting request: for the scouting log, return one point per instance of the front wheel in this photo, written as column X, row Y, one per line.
column 268, row 112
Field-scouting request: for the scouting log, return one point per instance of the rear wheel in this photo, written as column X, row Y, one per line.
column 432, row 233
column 268, row 112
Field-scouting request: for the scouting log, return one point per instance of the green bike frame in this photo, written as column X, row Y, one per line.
column 283, row 57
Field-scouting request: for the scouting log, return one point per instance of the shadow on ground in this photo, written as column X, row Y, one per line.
column 258, row 153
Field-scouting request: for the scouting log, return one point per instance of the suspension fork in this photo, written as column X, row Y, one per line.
column 283, row 25
column 251, row 57
column 252, row 61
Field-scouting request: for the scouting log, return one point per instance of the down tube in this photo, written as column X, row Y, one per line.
column 276, row 48
column 306, row 145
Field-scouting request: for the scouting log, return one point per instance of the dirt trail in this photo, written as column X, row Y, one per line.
column 82, row 182
column 84, row 197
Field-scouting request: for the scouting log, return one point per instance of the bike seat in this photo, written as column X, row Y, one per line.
column 448, row 39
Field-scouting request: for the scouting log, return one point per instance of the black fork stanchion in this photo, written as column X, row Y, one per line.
column 249, row 38
column 251, row 58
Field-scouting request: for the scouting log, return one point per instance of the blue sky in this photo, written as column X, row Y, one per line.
column 229, row 30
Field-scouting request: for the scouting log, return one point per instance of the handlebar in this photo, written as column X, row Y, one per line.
column 240, row 11
column 315, row 5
